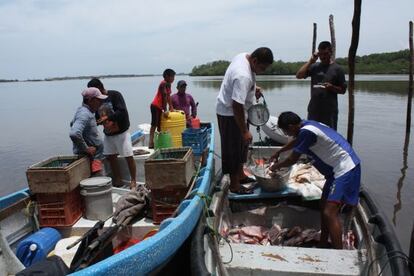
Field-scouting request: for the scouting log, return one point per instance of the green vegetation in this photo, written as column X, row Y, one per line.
column 384, row 63
column 215, row 68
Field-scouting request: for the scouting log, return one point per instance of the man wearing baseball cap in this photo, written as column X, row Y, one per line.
column 184, row 101
column 84, row 131
column 113, row 114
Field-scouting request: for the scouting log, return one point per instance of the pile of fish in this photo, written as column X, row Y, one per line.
column 295, row 236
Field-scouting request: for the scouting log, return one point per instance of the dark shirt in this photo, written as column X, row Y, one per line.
column 118, row 111
column 323, row 101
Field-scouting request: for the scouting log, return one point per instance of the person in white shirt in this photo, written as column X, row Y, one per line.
column 237, row 94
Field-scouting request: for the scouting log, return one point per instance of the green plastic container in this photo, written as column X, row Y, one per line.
column 162, row 140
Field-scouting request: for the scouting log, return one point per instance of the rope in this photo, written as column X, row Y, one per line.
column 396, row 252
column 207, row 200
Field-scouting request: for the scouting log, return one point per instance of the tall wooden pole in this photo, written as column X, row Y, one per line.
column 410, row 83
column 314, row 38
column 333, row 39
column 351, row 64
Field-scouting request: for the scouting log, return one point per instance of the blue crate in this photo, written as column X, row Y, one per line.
column 196, row 139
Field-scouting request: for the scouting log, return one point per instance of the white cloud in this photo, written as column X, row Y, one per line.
column 58, row 38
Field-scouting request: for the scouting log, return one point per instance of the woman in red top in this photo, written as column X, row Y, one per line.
column 159, row 104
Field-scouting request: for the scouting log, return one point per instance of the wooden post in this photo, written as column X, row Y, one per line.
column 314, row 38
column 411, row 253
column 410, row 83
column 351, row 65
column 333, row 40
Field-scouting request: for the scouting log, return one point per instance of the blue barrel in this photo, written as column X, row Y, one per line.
column 35, row 247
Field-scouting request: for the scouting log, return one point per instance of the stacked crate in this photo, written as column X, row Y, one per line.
column 55, row 183
column 196, row 138
column 168, row 173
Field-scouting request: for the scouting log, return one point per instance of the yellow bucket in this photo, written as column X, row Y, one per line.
column 175, row 124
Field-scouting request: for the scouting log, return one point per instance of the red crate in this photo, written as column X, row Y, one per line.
column 165, row 201
column 59, row 209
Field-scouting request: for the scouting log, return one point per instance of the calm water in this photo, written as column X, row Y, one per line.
column 36, row 115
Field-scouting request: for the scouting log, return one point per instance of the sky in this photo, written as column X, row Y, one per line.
column 57, row 38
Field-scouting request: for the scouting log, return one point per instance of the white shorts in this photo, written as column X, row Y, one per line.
column 118, row 144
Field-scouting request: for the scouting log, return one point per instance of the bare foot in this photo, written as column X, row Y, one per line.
column 133, row 185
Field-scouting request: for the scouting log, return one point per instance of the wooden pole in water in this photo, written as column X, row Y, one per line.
column 410, row 83
column 351, row 65
column 333, row 39
column 411, row 253
column 314, row 38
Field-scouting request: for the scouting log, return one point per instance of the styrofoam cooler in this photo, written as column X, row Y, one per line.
column 145, row 128
column 139, row 162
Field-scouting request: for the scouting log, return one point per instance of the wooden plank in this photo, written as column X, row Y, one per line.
column 18, row 205
column 55, row 180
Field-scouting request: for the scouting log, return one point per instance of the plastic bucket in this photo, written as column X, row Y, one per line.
column 97, row 195
column 35, row 247
column 175, row 124
column 162, row 140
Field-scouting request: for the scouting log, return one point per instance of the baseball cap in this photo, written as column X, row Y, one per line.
column 181, row 83
column 93, row 92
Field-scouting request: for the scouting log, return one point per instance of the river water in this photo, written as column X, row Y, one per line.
column 35, row 120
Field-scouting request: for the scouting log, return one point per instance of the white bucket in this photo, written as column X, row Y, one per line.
column 97, row 195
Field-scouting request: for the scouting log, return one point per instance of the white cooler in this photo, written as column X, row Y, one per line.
column 139, row 162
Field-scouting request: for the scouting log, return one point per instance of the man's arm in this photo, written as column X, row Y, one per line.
column 120, row 109
column 170, row 105
column 292, row 159
column 286, row 147
column 335, row 88
column 340, row 88
column 302, row 72
column 193, row 107
column 76, row 135
column 238, row 110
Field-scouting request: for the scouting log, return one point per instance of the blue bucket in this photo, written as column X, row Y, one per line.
column 35, row 247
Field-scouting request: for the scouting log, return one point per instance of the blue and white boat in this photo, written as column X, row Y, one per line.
column 375, row 247
column 145, row 257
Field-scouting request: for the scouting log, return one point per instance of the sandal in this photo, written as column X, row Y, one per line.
column 247, row 179
column 242, row 191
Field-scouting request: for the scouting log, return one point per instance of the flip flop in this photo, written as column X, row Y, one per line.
column 242, row 191
column 247, row 179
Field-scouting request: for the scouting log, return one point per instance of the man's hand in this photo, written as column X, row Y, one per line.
column 258, row 92
column 274, row 167
column 91, row 151
column 314, row 58
column 275, row 157
column 247, row 137
column 110, row 126
column 101, row 120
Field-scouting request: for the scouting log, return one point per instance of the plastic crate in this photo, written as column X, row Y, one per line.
column 165, row 201
column 196, row 139
column 59, row 209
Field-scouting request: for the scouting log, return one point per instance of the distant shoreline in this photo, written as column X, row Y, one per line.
column 87, row 77
column 364, row 77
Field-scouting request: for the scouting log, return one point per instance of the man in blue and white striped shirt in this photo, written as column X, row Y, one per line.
column 333, row 157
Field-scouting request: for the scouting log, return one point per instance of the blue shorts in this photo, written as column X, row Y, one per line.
column 344, row 189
